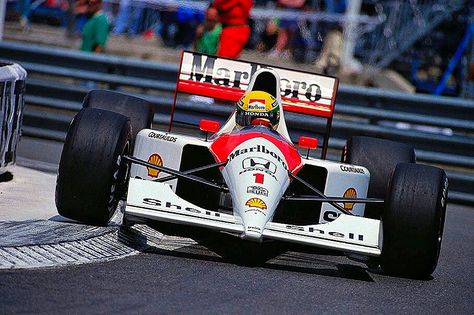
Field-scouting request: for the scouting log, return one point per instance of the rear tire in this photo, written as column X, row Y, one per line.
column 138, row 110
column 413, row 220
column 380, row 157
column 91, row 178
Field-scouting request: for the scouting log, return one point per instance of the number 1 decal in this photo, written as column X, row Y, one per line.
column 258, row 178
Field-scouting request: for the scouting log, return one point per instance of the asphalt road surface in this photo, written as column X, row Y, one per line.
column 194, row 278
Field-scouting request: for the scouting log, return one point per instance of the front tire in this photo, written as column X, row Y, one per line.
column 91, row 175
column 138, row 110
column 380, row 157
column 413, row 220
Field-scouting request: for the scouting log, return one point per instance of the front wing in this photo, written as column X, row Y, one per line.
column 157, row 201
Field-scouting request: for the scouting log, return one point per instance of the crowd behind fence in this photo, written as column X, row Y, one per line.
column 415, row 38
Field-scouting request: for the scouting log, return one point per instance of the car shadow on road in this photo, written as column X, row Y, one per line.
column 6, row 177
column 223, row 248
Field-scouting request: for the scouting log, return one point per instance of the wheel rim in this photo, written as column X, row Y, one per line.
column 119, row 176
column 442, row 217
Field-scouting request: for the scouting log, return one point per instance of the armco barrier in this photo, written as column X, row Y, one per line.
column 440, row 128
column 12, row 88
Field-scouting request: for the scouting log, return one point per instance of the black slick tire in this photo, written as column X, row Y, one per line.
column 91, row 177
column 138, row 110
column 413, row 220
column 380, row 157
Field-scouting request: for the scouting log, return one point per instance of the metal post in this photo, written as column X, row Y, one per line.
column 467, row 90
column 71, row 19
column 3, row 9
column 350, row 25
column 455, row 59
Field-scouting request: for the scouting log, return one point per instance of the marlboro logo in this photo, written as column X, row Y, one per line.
column 257, row 105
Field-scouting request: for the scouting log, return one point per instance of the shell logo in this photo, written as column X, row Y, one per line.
column 156, row 160
column 349, row 193
column 256, row 203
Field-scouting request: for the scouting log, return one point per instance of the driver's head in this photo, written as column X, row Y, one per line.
column 257, row 108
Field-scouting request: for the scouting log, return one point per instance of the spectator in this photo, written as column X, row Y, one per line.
column 80, row 15
column 208, row 33
column 96, row 30
column 269, row 37
column 233, row 15
column 329, row 61
column 287, row 27
column 24, row 8
column 169, row 27
column 121, row 21
column 187, row 19
column 335, row 6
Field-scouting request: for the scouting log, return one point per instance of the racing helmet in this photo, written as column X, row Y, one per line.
column 257, row 108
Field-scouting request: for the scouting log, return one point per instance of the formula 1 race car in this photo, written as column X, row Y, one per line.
column 248, row 178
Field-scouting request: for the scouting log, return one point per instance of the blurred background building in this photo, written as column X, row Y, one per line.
column 411, row 45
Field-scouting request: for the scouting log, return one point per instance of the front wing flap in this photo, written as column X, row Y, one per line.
column 156, row 201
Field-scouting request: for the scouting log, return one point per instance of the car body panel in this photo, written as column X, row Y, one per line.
column 156, row 201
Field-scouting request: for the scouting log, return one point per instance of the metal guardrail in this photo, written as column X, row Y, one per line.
column 12, row 89
column 60, row 78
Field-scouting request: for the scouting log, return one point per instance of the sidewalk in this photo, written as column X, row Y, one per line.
column 26, row 195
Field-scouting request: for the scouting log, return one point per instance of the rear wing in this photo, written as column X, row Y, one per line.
column 227, row 79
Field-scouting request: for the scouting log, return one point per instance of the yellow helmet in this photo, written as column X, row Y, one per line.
column 258, row 108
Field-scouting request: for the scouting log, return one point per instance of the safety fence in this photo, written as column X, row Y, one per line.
column 12, row 88
column 440, row 128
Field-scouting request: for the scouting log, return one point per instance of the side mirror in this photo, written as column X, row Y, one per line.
column 209, row 126
column 308, row 143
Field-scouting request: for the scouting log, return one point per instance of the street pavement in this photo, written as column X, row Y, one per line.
column 162, row 274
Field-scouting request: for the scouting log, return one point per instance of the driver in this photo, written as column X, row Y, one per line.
column 257, row 108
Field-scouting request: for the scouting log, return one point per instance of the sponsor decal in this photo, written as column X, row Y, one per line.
column 205, row 69
column 229, row 146
column 259, row 164
column 254, row 229
column 257, row 102
column 295, row 227
column 156, row 160
column 330, row 215
column 256, row 211
column 349, row 193
column 161, row 136
column 259, row 178
column 256, row 105
column 310, row 229
column 256, row 203
column 172, row 206
column 258, row 149
column 257, row 190
column 257, row 114
column 352, row 169
column 444, row 195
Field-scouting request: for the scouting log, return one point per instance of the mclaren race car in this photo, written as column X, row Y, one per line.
column 247, row 177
